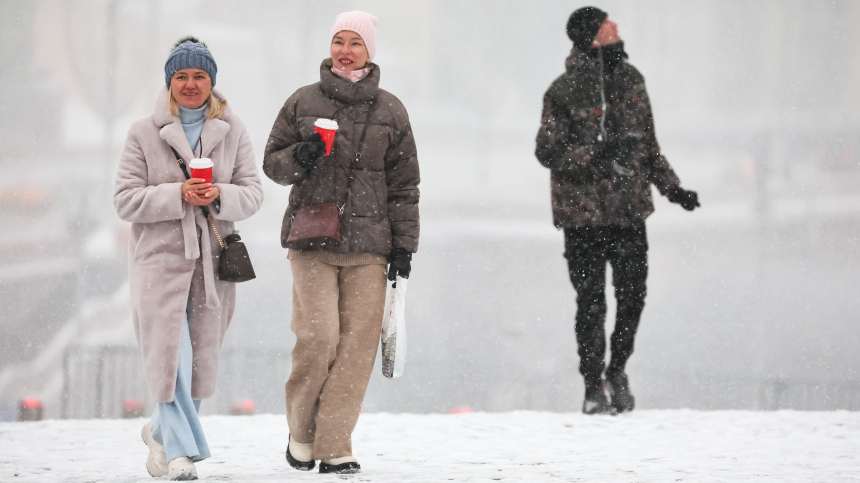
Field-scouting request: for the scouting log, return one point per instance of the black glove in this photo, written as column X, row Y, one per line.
column 310, row 151
column 689, row 200
column 400, row 263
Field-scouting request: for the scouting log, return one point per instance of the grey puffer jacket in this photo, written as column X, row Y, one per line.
column 381, row 205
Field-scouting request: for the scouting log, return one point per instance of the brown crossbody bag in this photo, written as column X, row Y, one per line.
column 235, row 265
column 314, row 227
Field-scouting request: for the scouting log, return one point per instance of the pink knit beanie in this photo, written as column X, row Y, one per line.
column 362, row 23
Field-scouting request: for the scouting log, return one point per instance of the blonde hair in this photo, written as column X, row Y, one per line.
column 216, row 106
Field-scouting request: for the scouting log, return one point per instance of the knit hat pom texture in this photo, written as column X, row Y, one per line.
column 362, row 23
column 190, row 53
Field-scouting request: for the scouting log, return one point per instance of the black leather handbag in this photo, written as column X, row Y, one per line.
column 235, row 265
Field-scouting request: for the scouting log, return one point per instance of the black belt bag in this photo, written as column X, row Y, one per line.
column 235, row 265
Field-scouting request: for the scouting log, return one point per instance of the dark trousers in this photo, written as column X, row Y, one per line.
column 587, row 250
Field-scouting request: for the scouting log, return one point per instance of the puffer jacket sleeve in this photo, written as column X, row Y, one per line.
column 279, row 161
column 243, row 196
column 402, row 176
column 137, row 202
column 554, row 149
column 658, row 170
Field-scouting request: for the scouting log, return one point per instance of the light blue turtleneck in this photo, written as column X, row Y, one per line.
column 192, row 123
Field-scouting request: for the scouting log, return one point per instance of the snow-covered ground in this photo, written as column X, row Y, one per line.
column 676, row 445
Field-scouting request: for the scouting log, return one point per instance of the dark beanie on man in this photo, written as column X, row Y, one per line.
column 583, row 24
column 190, row 53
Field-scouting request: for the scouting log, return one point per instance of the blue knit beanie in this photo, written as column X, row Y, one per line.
column 190, row 53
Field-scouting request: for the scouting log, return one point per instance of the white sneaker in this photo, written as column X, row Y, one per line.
column 181, row 469
column 156, row 462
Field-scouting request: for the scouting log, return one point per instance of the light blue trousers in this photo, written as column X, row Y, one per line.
column 176, row 424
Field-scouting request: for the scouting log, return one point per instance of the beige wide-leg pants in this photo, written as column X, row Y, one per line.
column 337, row 319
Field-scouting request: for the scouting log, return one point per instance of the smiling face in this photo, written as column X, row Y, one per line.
column 348, row 51
column 608, row 34
column 191, row 87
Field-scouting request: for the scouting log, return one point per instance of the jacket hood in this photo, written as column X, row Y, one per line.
column 613, row 55
column 577, row 60
column 345, row 91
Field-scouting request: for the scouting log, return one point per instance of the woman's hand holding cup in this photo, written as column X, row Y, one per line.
column 327, row 129
column 310, row 151
column 198, row 192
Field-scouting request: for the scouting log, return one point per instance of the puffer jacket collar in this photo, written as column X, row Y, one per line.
column 345, row 91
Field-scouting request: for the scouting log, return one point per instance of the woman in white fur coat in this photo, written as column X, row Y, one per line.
column 180, row 309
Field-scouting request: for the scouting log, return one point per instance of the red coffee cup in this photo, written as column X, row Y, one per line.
column 201, row 168
column 326, row 128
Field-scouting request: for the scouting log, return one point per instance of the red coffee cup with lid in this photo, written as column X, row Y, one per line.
column 326, row 128
column 201, row 168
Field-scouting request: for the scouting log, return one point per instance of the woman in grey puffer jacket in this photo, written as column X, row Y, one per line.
column 339, row 289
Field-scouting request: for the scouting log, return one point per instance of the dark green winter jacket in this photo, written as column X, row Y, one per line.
column 582, row 194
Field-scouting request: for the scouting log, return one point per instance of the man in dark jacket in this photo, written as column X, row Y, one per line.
column 597, row 138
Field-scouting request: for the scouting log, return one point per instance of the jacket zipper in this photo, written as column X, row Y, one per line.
column 603, row 136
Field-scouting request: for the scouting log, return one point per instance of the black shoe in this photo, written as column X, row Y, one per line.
column 344, row 468
column 619, row 392
column 596, row 402
column 300, row 465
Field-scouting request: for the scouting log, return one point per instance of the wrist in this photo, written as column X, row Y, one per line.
column 399, row 253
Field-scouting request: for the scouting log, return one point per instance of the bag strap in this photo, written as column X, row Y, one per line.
column 364, row 130
column 354, row 163
column 204, row 209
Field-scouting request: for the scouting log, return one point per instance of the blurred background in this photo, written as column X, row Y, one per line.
column 753, row 299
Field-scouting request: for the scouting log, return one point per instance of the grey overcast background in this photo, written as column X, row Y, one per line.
column 753, row 299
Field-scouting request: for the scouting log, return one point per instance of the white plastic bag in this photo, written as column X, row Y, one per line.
column 394, row 330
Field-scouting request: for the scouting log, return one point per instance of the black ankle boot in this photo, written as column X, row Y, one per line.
column 619, row 392
column 343, row 468
column 297, row 464
column 595, row 400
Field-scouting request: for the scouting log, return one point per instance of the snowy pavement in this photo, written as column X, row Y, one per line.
column 666, row 445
